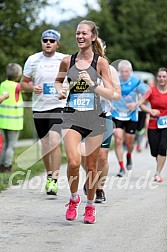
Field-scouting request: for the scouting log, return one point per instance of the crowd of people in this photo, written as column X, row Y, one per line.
column 84, row 100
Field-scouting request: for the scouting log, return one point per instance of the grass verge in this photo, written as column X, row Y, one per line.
column 19, row 174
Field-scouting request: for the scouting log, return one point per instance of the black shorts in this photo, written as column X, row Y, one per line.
column 158, row 141
column 129, row 126
column 108, row 133
column 87, row 123
column 45, row 120
column 141, row 120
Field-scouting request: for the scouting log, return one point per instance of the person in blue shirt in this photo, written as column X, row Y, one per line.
column 125, row 113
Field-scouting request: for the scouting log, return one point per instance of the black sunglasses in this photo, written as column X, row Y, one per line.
column 52, row 41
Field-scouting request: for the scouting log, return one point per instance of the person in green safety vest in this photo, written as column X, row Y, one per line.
column 11, row 114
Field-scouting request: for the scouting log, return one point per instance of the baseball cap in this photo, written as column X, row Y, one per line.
column 52, row 34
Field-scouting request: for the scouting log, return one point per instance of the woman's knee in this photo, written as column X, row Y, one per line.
column 74, row 164
column 91, row 168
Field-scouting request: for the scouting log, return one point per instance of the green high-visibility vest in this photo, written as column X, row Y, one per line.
column 11, row 111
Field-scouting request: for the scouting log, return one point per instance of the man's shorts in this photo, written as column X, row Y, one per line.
column 108, row 133
column 129, row 126
column 47, row 120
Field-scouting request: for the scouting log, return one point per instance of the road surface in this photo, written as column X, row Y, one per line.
column 134, row 218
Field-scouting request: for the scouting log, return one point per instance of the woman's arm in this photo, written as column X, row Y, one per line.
column 111, row 89
column 111, row 85
column 64, row 66
column 153, row 112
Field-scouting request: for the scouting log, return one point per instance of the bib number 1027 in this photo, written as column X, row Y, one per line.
column 82, row 101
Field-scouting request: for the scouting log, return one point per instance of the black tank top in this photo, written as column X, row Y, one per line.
column 81, row 96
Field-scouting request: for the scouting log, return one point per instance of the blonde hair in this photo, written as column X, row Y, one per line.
column 97, row 45
column 13, row 71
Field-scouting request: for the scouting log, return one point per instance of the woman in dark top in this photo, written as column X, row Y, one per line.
column 83, row 117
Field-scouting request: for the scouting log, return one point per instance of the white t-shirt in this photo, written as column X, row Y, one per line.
column 43, row 70
column 106, row 104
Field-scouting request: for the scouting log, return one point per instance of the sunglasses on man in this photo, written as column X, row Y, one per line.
column 52, row 41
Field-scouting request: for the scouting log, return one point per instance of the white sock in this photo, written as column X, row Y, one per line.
column 74, row 196
column 89, row 202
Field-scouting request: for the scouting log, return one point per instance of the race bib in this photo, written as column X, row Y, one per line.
column 123, row 114
column 82, row 101
column 162, row 122
column 49, row 89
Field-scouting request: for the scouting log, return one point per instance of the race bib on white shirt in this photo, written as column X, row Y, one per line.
column 43, row 71
column 49, row 89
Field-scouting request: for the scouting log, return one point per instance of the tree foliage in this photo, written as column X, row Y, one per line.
column 134, row 30
column 19, row 31
column 68, row 29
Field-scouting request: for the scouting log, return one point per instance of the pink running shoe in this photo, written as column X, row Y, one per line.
column 90, row 215
column 138, row 148
column 158, row 178
column 72, row 213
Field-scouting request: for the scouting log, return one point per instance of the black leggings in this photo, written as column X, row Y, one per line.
column 158, row 141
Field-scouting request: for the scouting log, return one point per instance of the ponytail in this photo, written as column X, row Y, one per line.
column 97, row 47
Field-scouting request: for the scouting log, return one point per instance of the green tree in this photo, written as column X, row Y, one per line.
column 134, row 30
column 19, row 37
column 19, row 31
column 68, row 43
column 142, row 28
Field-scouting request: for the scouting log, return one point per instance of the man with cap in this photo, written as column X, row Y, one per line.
column 40, row 69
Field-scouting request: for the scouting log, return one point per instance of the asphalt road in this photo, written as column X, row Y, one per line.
column 134, row 218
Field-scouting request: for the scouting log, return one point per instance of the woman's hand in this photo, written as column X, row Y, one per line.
column 62, row 93
column 154, row 112
column 86, row 77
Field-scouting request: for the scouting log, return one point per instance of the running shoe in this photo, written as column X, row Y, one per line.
column 121, row 172
column 51, row 187
column 100, row 196
column 72, row 211
column 90, row 215
column 157, row 178
column 138, row 148
column 84, row 189
column 128, row 164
